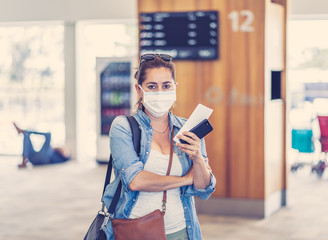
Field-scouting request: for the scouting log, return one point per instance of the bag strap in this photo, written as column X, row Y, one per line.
column 108, row 174
column 136, row 136
column 136, row 133
column 168, row 170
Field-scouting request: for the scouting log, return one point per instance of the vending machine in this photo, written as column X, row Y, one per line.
column 114, row 98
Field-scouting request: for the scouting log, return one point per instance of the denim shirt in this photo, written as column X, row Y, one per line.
column 127, row 164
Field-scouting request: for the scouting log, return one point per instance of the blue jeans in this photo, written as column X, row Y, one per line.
column 180, row 235
column 46, row 155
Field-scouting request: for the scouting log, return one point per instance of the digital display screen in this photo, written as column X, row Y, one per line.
column 183, row 35
column 115, row 92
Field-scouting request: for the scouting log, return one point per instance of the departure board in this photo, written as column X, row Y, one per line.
column 183, row 35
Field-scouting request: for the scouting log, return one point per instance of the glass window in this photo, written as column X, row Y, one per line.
column 31, row 82
column 307, row 61
column 307, row 86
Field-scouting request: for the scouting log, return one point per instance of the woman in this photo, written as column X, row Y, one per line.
column 143, row 177
column 46, row 154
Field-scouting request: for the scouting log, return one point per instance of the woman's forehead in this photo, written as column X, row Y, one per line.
column 158, row 75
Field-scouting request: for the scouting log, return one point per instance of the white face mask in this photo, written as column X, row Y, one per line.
column 158, row 103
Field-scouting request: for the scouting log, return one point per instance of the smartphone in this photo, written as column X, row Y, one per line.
column 201, row 130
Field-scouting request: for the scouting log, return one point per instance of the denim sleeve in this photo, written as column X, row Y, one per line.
column 125, row 159
column 202, row 193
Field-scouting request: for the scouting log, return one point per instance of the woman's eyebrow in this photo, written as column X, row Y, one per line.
column 151, row 83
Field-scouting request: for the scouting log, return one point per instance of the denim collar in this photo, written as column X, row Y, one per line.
column 175, row 121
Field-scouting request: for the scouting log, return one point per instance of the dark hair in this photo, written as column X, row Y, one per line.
column 140, row 74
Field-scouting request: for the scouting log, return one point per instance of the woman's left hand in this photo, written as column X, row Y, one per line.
column 193, row 148
column 201, row 170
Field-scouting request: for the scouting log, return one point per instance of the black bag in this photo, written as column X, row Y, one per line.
column 95, row 231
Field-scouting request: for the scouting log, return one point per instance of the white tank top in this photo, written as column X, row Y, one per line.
column 149, row 201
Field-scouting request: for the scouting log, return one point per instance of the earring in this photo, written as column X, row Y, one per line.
column 140, row 103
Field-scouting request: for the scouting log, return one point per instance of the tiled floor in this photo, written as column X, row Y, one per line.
column 59, row 202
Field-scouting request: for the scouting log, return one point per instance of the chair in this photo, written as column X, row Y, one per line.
column 320, row 167
column 302, row 141
column 323, row 124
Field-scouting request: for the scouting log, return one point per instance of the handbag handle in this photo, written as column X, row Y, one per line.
column 168, row 171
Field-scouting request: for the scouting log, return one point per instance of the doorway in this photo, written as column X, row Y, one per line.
column 307, row 93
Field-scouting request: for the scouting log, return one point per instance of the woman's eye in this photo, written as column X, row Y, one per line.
column 151, row 87
column 166, row 86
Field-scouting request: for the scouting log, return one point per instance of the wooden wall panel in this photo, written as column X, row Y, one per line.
column 238, row 127
column 233, row 86
column 256, row 103
column 246, row 109
column 220, row 81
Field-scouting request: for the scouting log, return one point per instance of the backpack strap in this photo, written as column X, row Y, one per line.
column 136, row 136
column 136, row 133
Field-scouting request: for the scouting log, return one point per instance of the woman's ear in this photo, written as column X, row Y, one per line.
column 176, row 85
column 138, row 90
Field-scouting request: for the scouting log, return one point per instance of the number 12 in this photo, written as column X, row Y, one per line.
column 246, row 25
